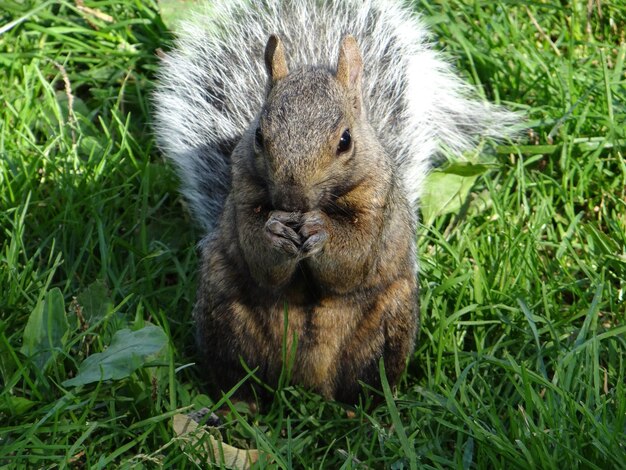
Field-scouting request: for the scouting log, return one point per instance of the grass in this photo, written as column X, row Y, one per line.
column 521, row 357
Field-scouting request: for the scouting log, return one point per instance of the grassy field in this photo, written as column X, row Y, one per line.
column 521, row 357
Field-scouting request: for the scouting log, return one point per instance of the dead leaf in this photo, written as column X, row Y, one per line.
column 194, row 436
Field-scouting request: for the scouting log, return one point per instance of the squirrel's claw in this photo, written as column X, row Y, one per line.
column 313, row 233
column 281, row 236
column 314, row 243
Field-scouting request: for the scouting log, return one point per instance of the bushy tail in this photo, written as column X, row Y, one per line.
column 213, row 83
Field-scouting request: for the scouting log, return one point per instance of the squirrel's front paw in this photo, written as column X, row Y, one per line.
column 280, row 233
column 313, row 232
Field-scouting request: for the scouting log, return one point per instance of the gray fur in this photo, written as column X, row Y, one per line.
column 212, row 86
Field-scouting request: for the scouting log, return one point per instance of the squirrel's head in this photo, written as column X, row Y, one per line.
column 310, row 143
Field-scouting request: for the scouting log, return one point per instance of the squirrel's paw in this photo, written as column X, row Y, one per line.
column 313, row 232
column 280, row 234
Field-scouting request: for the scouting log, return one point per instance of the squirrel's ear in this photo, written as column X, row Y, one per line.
column 275, row 61
column 350, row 67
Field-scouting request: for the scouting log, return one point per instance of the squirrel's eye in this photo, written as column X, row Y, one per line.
column 344, row 142
column 258, row 138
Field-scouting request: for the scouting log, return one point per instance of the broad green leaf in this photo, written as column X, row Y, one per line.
column 129, row 350
column 89, row 146
column 444, row 193
column 95, row 302
column 46, row 330
column 173, row 11
column 466, row 168
column 15, row 406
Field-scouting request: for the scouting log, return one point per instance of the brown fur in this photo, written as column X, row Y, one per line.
column 322, row 238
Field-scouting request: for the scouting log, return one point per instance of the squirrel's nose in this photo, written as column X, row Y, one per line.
column 291, row 199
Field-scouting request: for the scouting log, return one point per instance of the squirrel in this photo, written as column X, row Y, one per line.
column 302, row 132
